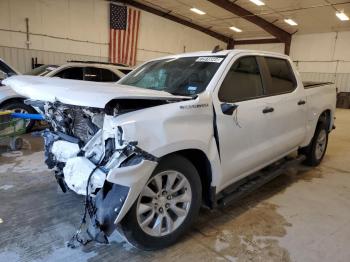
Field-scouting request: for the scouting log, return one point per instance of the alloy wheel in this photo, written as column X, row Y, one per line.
column 164, row 203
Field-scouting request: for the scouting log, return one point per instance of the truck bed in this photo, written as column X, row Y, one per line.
column 312, row 84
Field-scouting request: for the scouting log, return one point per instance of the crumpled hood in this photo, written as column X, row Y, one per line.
column 80, row 93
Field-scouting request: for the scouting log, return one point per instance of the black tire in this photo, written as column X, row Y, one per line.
column 130, row 226
column 312, row 159
column 16, row 106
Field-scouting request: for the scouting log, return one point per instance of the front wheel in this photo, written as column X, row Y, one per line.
column 317, row 149
column 166, row 207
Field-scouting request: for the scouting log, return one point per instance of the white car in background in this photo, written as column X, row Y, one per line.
column 75, row 70
column 90, row 71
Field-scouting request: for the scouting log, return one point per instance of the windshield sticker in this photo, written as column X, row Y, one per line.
column 210, row 59
column 192, row 88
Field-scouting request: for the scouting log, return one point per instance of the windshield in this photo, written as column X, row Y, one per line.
column 179, row 76
column 41, row 70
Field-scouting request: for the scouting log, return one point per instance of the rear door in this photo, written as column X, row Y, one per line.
column 287, row 103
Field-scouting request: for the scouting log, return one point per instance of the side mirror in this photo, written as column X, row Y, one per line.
column 228, row 109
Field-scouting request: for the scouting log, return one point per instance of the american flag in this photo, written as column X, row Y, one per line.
column 123, row 34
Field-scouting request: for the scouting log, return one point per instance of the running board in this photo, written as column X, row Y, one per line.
column 249, row 184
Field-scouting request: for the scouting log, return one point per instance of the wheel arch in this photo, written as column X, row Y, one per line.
column 326, row 117
column 11, row 100
column 201, row 162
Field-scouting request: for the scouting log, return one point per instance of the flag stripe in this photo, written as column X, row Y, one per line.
column 117, row 44
column 132, row 36
column 137, row 36
column 110, row 46
column 126, row 50
column 114, row 46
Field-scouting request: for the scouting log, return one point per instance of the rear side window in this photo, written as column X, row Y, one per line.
column 75, row 73
column 108, row 76
column 282, row 77
column 242, row 82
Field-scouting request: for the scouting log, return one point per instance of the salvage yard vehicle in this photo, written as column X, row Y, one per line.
column 91, row 71
column 177, row 133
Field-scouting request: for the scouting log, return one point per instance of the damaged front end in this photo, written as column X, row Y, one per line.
column 90, row 155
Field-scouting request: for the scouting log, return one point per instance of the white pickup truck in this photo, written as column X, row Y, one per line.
column 177, row 133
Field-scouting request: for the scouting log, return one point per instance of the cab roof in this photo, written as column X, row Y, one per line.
column 225, row 53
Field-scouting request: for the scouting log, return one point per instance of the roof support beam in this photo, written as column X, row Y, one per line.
column 261, row 41
column 257, row 41
column 277, row 32
column 176, row 19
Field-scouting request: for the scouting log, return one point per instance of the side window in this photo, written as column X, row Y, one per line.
column 242, row 82
column 108, row 76
column 92, row 74
column 75, row 73
column 282, row 77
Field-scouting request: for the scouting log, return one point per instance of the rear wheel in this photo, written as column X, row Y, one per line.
column 317, row 149
column 166, row 207
column 20, row 107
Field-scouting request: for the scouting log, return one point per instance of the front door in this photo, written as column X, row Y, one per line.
column 243, row 129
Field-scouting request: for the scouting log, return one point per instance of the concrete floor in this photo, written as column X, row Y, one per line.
column 303, row 215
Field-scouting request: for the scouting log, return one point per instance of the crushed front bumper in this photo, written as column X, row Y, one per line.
column 119, row 192
column 110, row 189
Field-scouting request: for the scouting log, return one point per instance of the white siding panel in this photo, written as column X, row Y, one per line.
column 278, row 48
column 313, row 47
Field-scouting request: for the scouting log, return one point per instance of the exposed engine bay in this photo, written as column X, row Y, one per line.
column 83, row 148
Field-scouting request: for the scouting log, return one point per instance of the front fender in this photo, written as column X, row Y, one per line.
column 6, row 93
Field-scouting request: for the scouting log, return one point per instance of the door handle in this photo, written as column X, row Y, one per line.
column 301, row 102
column 268, row 110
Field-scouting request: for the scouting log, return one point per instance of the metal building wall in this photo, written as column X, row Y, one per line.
column 341, row 80
column 21, row 59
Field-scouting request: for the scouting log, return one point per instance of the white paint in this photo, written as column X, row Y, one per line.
column 64, row 150
column 82, row 93
column 167, row 123
column 166, row 128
